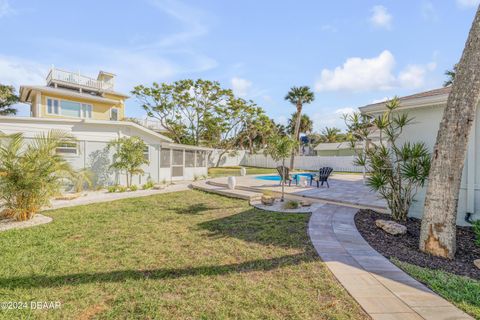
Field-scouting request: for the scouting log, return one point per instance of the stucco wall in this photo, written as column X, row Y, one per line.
column 424, row 128
column 92, row 140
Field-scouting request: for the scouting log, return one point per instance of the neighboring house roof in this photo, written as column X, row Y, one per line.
column 86, row 121
column 422, row 99
column 336, row 146
column 26, row 94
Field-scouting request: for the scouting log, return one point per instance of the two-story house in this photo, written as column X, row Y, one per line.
column 94, row 113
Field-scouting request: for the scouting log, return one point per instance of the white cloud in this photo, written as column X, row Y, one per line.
column 241, row 86
column 5, row 8
column 381, row 18
column 331, row 118
column 413, row 76
column 15, row 71
column 377, row 73
column 381, row 100
column 468, row 3
column 359, row 74
column 191, row 19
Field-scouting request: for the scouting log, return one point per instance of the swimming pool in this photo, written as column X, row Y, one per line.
column 277, row 177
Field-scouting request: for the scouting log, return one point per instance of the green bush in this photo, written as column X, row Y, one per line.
column 133, row 187
column 112, row 189
column 121, row 188
column 148, row 185
column 291, row 204
column 476, row 229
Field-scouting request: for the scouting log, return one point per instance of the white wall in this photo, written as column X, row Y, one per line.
column 92, row 141
column 424, row 128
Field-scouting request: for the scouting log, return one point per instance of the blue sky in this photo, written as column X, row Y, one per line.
column 350, row 52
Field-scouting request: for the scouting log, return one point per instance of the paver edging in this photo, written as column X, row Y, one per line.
column 382, row 289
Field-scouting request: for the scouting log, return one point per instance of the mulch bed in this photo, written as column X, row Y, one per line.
column 405, row 247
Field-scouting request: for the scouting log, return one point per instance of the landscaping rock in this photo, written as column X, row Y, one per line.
column 391, row 227
column 477, row 263
column 305, row 203
column 267, row 200
column 159, row 186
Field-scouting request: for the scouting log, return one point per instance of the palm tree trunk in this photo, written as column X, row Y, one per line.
column 438, row 233
column 296, row 134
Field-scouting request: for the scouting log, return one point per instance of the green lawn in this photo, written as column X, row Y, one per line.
column 235, row 171
column 180, row 255
column 461, row 291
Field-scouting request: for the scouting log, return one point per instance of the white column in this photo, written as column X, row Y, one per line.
column 38, row 103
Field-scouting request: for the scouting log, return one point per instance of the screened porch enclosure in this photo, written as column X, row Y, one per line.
column 182, row 164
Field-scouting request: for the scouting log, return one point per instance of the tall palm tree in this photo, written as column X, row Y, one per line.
column 298, row 96
column 438, row 232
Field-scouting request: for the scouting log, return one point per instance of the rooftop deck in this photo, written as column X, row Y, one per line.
column 76, row 80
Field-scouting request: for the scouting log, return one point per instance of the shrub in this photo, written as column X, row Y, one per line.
column 133, row 187
column 31, row 173
column 148, row 185
column 122, row 188
column 476, row 229
column 396, row 170
column 291, row 204
column 129, row 156
column 112, row 189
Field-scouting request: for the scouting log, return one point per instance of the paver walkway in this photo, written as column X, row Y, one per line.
column 104, row 196
column 383, row 290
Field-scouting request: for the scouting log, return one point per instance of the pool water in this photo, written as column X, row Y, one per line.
column 277, row 177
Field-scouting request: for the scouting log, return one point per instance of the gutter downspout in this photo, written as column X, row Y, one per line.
column 471, row 171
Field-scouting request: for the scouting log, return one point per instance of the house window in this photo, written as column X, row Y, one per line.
column 189, row 158
column 52, row 106
column 67, row 149
column 69, row 108
column 146, row 153
column 164, row 158
column 114, row 114
column 86, row 110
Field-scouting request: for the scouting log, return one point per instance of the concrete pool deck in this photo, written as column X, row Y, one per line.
column 345, row 189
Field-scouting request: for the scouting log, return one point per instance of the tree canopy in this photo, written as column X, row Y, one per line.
column 7, row 99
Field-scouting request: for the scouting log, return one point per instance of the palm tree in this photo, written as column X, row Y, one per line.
column 451, row 76
column 31, row 173
column 306, row 124
column 438, row 232
column 298, row 96
column 331, row 134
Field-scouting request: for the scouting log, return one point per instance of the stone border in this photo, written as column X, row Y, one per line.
column 382, row 289
column 277, row 207
column 38, row 219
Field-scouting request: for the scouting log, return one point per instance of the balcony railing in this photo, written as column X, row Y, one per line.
column 77, row 80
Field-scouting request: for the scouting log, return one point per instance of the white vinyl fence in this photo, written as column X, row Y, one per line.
column 243, row 158
column 340, row 163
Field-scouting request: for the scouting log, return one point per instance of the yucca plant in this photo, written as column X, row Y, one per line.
column 396, row 169
column 31, row 173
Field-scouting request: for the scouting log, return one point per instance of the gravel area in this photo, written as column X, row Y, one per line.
column 405, row 247
column 38, row 219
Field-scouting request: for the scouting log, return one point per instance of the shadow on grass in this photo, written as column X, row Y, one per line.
column 263, row 227
column 45, row 281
